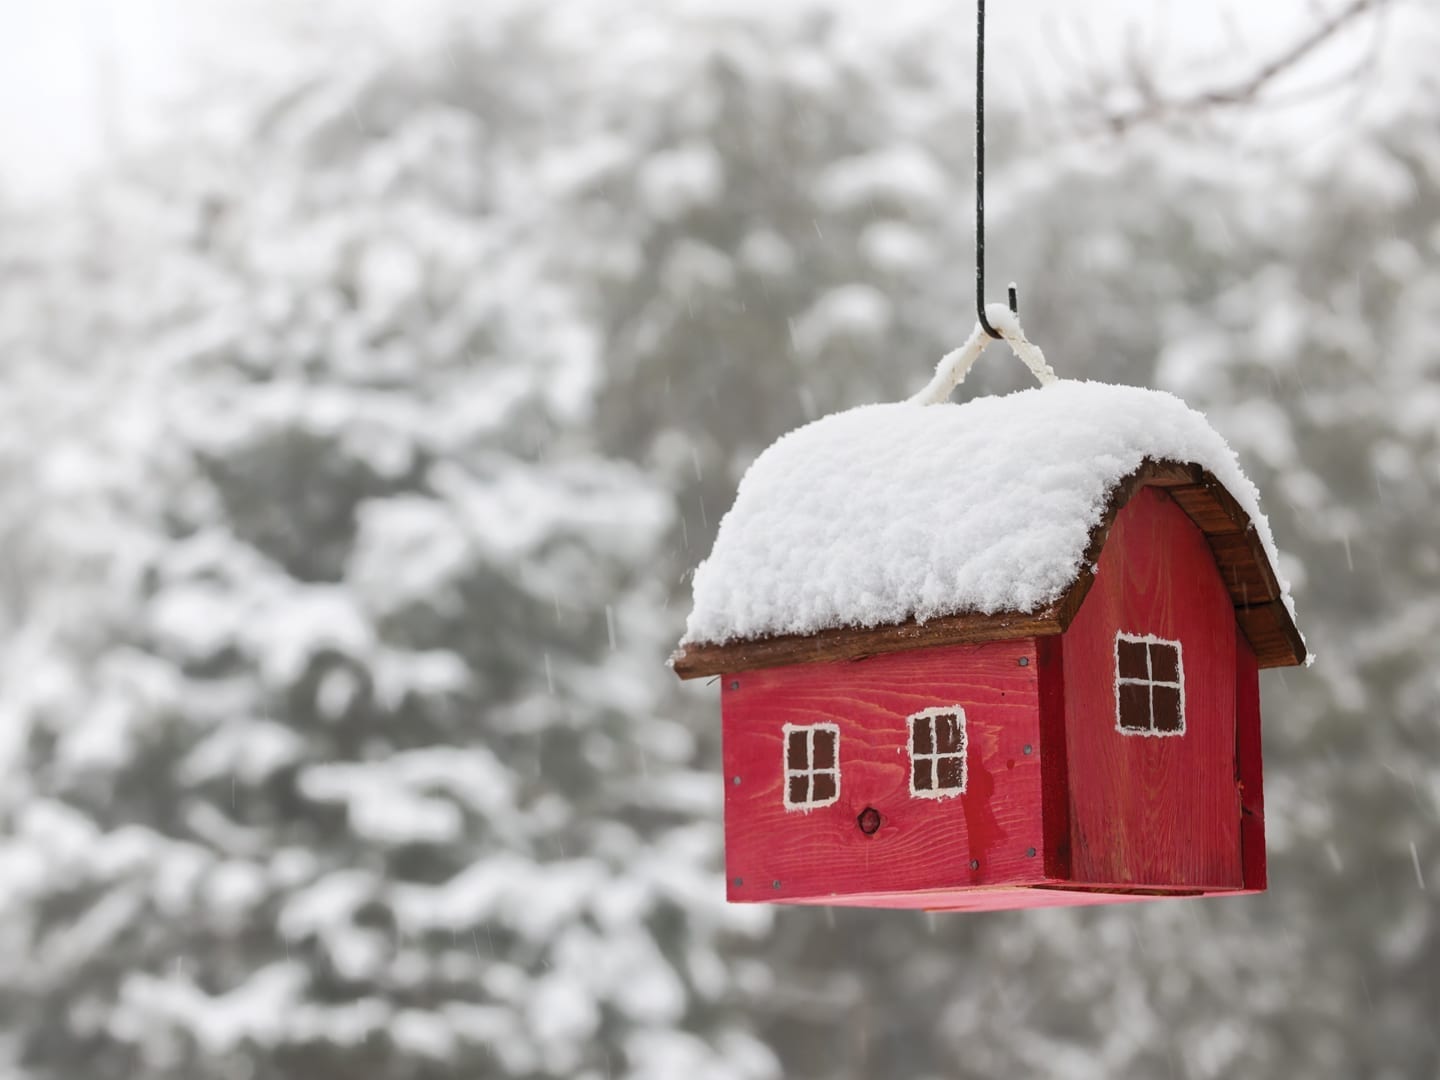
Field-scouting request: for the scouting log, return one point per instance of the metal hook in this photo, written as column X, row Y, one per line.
column 980, row 178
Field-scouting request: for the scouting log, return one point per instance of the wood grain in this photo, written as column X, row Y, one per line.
column 1249, row 771
column 1006, row 898
column 1272, row 634
column 1210, row 506
column 847, row 643
column 1243, row 567
column 1054, row 762
column 1231, row 539
column 1150, row 811
column 772, row 854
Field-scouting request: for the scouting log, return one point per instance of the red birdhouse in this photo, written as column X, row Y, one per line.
column 995, row 655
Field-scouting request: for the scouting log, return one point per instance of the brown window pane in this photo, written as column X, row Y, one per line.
column 947, row 734
column 948, row 770
column 822, row 788
column 1130, row 656
column 797, row 756
column 824, row 749
column 921, row 741
column 1135, row 706
column 923, row 781
column 1167, row 708
column 800, row 789
column 1164, row 663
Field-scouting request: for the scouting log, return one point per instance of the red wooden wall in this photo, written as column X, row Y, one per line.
column 1248, row 770
column 1150, row 811
column 992, row 834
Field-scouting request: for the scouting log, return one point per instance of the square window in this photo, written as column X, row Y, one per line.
column 812, row 766
column 937, row 752
column 1149, row 685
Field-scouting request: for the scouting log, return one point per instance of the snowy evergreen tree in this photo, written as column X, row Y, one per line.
column 350, row 757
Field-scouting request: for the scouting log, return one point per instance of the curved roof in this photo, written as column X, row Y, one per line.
column 891, row 525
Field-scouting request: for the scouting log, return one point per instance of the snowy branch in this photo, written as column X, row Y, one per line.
column 1154, row 105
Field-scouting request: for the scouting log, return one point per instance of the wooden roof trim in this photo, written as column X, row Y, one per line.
column 1240, row 557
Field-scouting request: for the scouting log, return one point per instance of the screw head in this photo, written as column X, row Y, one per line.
column 974, row 864
column 735, row 684
column 1029, row 749
column 775, row 884
column 1030, row 852
column 735, row 780
column 739, row 881
column 1024, row 661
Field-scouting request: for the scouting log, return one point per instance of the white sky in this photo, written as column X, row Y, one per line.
column 79, row 77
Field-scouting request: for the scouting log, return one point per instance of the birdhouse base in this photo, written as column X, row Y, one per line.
column 1017, row 898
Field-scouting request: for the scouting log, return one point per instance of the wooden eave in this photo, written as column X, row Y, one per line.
column 1259, row 610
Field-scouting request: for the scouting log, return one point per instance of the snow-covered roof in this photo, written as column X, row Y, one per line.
column 895, row 512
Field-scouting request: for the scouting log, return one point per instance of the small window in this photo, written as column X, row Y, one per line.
column 937, row 752
column 812, row 766
column 1149, row 686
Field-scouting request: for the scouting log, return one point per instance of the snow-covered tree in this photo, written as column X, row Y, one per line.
column 342, row 751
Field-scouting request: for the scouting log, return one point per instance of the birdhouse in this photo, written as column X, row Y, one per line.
column 994, row 655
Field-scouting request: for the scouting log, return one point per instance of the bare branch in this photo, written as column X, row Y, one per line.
column 1155, row 106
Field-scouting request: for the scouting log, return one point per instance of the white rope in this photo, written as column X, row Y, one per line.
column 956, row 364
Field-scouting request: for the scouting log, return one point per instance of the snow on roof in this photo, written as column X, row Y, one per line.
column 888, row 512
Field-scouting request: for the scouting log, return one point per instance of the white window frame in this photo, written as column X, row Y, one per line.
column 1149, row 682
column 809, row 771
column 934, row 757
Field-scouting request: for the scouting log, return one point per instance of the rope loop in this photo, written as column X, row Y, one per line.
column 956, row 364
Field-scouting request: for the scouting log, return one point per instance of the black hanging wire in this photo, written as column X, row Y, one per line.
column 980, row 177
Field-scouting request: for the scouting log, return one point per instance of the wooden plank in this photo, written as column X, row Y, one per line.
column 1006, row 898
column 1153, row 811
column 846, row 643
column 1054, row 765
column 1168, row 474
column 1243, row 567
column 1272, row 634
column 1206, row 510
column 1249, row 774
column 989, row 835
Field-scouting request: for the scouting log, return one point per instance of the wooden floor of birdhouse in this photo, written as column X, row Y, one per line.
column 1012, row 898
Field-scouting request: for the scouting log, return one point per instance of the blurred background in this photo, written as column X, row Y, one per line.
column 374, row 376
